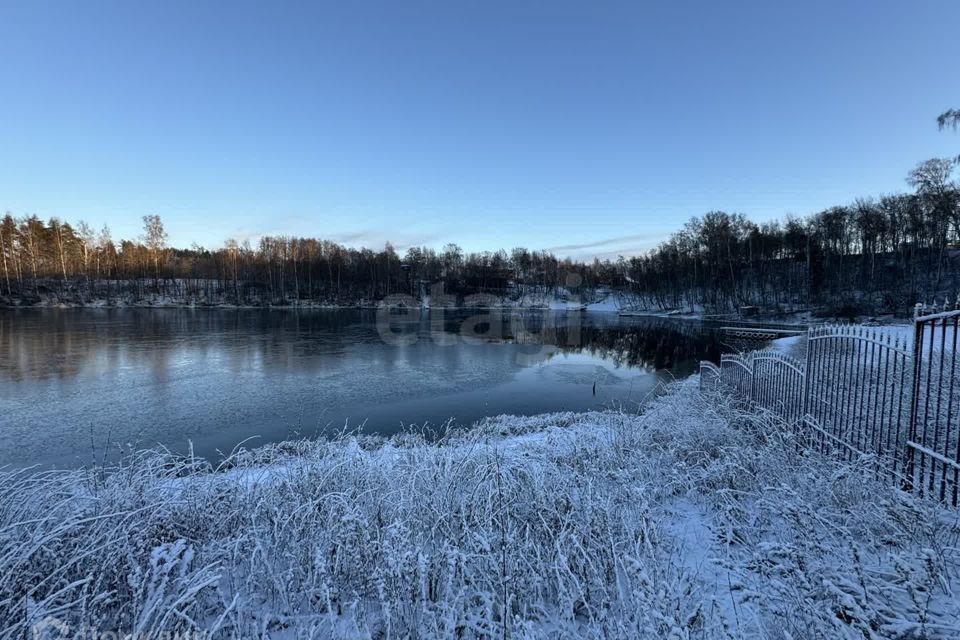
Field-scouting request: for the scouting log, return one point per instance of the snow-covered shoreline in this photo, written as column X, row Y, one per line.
column 690, row 520
column 601, row 307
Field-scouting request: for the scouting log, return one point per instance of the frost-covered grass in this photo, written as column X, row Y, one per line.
column 689, row 521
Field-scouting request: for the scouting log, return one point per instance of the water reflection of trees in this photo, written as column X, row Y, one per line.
column 648, row 343
column 59, row 344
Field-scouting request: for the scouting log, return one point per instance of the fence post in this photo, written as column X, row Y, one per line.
column 805, row 395
column 753, row 376
column 910, row 454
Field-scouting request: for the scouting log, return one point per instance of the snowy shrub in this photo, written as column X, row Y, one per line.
column 688, row 521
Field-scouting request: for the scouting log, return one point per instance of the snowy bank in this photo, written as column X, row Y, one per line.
column 688, row 521
column 796, row 346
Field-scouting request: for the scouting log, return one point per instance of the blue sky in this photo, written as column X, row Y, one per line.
column 592, row 128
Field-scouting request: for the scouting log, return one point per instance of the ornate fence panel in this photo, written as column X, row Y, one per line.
column 709, row 377
column 865, row 392
column 857, row 397
column 736, row 377
column 933, row 446
column 769, row 379
column 778, row 383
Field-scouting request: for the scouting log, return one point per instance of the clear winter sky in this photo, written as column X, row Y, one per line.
column 592, row 128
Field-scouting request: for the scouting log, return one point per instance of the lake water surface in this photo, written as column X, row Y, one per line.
column 75, row 383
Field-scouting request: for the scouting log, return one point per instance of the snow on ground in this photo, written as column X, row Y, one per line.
column 790, row 345
column 689, row 521
column 691, row 312
column 607, row 301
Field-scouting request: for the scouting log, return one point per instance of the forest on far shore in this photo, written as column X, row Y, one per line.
column 874, row 255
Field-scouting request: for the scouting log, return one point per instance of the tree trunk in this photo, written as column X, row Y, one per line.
column 6, row 273
column 63, row 262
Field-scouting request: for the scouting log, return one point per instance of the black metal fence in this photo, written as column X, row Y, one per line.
column 933, row 446
column 864, row 393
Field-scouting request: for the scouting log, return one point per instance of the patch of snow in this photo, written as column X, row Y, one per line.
column 688, row 520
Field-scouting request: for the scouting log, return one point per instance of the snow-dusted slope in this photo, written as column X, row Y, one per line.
column 686, row 522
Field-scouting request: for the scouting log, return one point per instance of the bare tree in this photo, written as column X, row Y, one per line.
column 88, row 245
column 13, row 250
column 105, row 251
column 233, row 249
column 31, row 235
column 155, row 237
column 3, row 252
column 949, row 118
column 60, row 240
column 931, row 179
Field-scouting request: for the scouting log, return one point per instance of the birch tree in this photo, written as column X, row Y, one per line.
column 155, row 237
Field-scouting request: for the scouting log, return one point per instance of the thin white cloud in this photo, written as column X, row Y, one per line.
column 608, row 248
column 377, row 239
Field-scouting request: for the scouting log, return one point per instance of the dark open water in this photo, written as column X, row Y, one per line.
column 77, row 382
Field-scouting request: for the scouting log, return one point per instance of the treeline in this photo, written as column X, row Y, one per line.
column 58, row 261
column 874, row 254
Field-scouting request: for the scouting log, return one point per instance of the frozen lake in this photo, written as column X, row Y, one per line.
column 75, row 383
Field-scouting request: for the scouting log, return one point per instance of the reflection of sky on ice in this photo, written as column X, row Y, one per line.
column 75, row 381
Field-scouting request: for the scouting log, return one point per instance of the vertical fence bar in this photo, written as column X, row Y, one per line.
column 820, row 413
column 953, row 370
column 922, row 438
column 862, row 383
column 850, row 393
column 935, row 445
column 839, row 393
column 842, row 398
column 881, row 441
column 910, row 462
column 814, row 398
column 904, row 369
column 871, row 406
